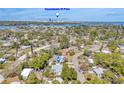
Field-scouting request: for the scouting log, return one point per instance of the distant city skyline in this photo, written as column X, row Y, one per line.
column 74, row 14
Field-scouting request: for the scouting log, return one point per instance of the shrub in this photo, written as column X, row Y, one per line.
column 55, row 82
column 72, row 53
column 1, row 66
column 32, row 79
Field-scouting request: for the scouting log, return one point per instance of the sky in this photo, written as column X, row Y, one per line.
column 74, row 14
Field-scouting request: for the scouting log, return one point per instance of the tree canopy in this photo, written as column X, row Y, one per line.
column 68, row 74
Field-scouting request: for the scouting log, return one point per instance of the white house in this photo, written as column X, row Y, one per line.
column 8, row 44
column 24, row 47
column 90, row 60
column 25, row 73
column 82, row 46
column 106, row 51
column 59, row 59
column 57, row 69
column 98, row 71
column 121, row 47
column 2, row 60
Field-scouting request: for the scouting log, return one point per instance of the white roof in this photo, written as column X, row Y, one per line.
column 98, row 70
column 106, row 51
column 24, row 47
column 2, row 59
column 82, row 46
column 26, row 71
column 90, row 60
column 7, row 44
column 57, row 68
column 94, row 67
column 121, row 46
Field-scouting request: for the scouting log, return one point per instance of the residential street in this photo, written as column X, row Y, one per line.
column 80, row 76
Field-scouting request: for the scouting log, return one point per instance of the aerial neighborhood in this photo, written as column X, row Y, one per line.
column 52, row 54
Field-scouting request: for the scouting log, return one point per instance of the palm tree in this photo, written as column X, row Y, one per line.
column 16, row 46
column 31, row 46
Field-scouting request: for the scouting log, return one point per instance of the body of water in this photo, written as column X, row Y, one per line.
column 66, row 24
column 8, row 27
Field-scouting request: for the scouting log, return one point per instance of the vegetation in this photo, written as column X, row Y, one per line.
column 71, row 53
column 2, row 66
column 93, row 79
column 39, row 62
column 55, row 82
column 75, row 82
column 1, row 55
column 68, row 74
column 32, row 79
column 93, row 35
column 112, row 46
column 87, row 52
column 16, row 46
column 64, row 41
column 48, row 73
column 113, row 61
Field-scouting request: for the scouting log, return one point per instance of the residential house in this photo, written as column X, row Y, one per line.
column 59, row 59
column 2, row 60
column 8, row 44
column 25, row 73
column 121, row 48
column 90, row 60
column 57, row 69
column 24, row 47
column 98, row 71
column 106, row 51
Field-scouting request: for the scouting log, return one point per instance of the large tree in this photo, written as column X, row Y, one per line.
column 39, row 62
column 68, row 74
column 32, row 79
column 64, row 41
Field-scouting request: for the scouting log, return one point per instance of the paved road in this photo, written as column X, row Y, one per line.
column 21, row 59
column 80, row 76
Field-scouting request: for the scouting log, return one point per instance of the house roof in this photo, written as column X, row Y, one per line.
column 98, row 70
column 2, row 60
column 26, row 71
column 106, row 51
column 57, row 68
column 121, row 46
column 59, row 59
column 90, row 60
column 24, row 47
column 7, row 44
